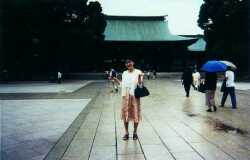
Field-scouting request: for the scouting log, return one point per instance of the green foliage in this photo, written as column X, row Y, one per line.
column 225, row 27
column 95, row 20
column 223, row 17
column 49, row 32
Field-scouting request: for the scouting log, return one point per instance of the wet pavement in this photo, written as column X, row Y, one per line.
column 35, row 125
column 173, row 127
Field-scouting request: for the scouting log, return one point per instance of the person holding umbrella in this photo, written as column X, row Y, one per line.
column 211, row 68
column 210, row 85
column 230, row 88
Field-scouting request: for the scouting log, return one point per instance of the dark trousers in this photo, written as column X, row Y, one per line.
column 231, row 92
column 187, row 87
column 59, row 80
column 148, row 77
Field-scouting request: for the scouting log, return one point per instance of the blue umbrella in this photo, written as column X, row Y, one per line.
column 214, row 66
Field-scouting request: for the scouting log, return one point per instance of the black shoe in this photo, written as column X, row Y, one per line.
column 221, row 105
column 125, row 137
column 209, row 110
column 215, row 108
column 135, row 136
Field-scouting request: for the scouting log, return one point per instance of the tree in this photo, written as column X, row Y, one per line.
column 225, row 28
column 95, row 20
column 41, row 35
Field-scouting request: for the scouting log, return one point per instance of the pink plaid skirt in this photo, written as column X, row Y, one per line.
column 131, row 109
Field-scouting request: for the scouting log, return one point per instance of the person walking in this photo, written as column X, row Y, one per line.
column 113, row 74
column 148, row 74
column 187, row 80
column 59, row 77
column 230, row 88
column 210, row 85
column 131, row 109
column 154, row 74
column 196, row 79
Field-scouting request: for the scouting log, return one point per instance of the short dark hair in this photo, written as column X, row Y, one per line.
column 129, row 61
column 229, row 68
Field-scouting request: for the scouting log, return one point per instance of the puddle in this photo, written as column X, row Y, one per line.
column 192, row 114
column 220, row 126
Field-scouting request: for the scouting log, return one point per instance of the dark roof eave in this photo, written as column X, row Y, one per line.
column 151, row 41
column 181, row 42
column 144, row 18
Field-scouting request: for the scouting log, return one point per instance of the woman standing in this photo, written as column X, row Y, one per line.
column 131, row 110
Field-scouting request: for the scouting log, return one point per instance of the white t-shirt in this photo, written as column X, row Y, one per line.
column 196, row 76
column 230, row 79
column 130, row 81
column 59, row 75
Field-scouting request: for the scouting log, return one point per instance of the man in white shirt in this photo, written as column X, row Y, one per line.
column 196, row 79
column 230, row 88
column 59, row 77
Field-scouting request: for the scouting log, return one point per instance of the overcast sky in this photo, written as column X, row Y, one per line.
column 182, row 14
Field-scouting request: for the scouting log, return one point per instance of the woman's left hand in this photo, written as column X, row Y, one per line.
column 140, row 79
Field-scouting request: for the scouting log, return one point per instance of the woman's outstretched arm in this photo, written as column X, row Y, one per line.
column 117, row 80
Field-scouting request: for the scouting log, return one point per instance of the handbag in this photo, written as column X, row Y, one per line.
column 141, row 91
column 202, row 88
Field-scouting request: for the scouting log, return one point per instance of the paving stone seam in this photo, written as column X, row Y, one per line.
column 164, row 144
column 209, row 141
column 92, row 144
column 205, row 137
column 144, row 155
column 1, row 129
column 116, row 145
column 85, row 85
column 74, row 127
column 116, row 118
column 211, row 118
column 186, row 141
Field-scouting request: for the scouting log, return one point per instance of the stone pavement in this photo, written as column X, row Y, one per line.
column 35, row 125
column 42, row 87
column 32, row 123
column 173, row 127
